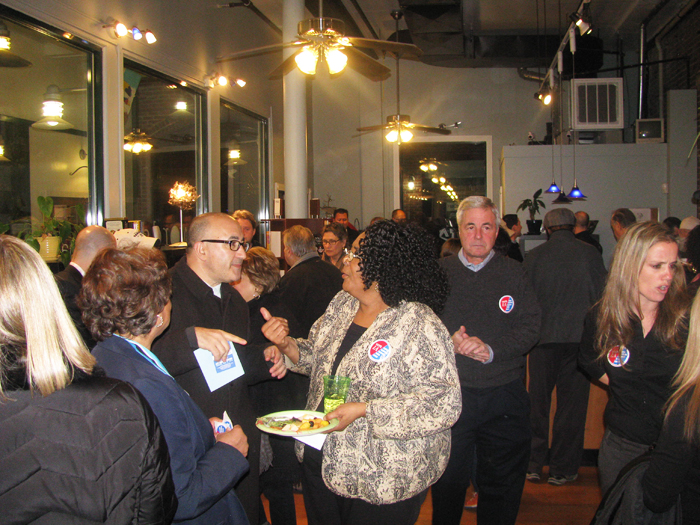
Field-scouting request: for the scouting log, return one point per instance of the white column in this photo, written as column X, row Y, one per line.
column 294, row 85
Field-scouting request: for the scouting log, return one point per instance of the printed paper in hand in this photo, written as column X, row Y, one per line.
column 219, row 373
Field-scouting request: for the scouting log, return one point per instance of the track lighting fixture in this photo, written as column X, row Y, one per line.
column 582, row 19
column 121, row 30
column 217, row 79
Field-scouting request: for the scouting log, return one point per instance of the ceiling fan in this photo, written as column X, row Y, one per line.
column 399, row 127
column 323, row 40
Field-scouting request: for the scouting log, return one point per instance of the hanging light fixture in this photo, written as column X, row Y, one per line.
column 575, row 193
column 137, row 142
column 121, row 30
column 234, row 158
column 8, row 58
column 427, row 165
column 3, row 158
column 52, row 111
column 562, row 199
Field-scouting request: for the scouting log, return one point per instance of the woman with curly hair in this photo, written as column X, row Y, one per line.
column 393, row 439
column 77, row 447
column 633, row 341
column 125, row 299
column 335, row 236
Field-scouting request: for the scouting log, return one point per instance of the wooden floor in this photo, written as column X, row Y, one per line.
column 542, row 504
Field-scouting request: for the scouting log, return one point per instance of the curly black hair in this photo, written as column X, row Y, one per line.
column 401, row 260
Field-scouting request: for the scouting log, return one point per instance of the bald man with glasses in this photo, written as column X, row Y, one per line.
column 208, row 313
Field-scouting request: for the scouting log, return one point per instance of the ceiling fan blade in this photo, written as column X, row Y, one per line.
column 430, row 129
column 285, row 67
column 259, row 51
column 365, row 65
column 372, row 128
column 406, row 51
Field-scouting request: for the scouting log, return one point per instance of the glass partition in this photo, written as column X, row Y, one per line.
column 437, row 175
column 47, row 124
column 244, row 163
column 163, row 140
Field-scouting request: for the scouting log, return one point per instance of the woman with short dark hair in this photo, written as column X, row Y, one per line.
column 125, row 299
column 334, row 238
column 76, row 446
column 393, row 439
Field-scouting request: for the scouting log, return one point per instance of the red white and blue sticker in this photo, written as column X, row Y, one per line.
column 618, row 356
column 379, row 351
column 506, row 304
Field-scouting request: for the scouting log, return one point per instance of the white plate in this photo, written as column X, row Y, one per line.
column 288, row 414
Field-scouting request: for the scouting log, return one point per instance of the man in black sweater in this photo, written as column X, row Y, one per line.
column 494, row 317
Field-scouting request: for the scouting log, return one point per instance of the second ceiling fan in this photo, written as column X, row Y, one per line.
column 399, row 127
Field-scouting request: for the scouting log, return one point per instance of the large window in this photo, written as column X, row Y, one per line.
column 168, row 117
column 47, row 124
column 244, row 162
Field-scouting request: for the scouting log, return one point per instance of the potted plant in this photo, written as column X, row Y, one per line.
column 533, row 207
column 54, row 238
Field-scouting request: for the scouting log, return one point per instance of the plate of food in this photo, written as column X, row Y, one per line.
column 295, row 423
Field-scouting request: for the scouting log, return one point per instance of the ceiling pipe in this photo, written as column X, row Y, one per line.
column 526, row 74
column 641, row 70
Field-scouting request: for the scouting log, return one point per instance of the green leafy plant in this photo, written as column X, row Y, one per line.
column 50, row 226
column 532, row 205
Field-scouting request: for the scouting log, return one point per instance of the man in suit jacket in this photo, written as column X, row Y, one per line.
column 309, row 285
column 89, row 242
column 207, row 312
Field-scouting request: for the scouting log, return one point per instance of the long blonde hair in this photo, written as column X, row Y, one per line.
column 687, row 379
column 619, row 306
column 36, row 331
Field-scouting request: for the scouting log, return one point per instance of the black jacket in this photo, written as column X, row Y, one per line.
column 194, row 304
column 307, row 290
column 69, row 282
column 90, row 453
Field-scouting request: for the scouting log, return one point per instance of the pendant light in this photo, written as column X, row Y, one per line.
column 52, row 111
column 575, row 193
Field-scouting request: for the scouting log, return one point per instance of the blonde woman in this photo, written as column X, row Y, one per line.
column 675, row 463
column 633, row 342
column 76, row 446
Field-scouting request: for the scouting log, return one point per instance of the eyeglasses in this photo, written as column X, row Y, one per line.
column 350, row 255
column 233, row 245
column 330, row 242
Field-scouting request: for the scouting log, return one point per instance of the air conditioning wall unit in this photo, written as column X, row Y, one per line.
column 597, row 104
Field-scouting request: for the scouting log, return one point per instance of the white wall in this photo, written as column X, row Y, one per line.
column 357, row 171
column 610, row 175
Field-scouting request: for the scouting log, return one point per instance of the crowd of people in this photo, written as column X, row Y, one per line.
column 108, row 412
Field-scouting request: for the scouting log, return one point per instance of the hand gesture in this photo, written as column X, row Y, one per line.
column 276, row 329
column 471, row 347
column 216, row 341
column 235, row 438
column 279, row 368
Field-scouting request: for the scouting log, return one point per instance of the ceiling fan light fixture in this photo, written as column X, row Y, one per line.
column 336, row 60
column 5, row 41
column 393, row 135
column 307, row 60
column 405, row 135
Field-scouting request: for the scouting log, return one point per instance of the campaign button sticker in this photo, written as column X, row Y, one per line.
column 618, row 356
column 379, row 351
column 506, row 304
